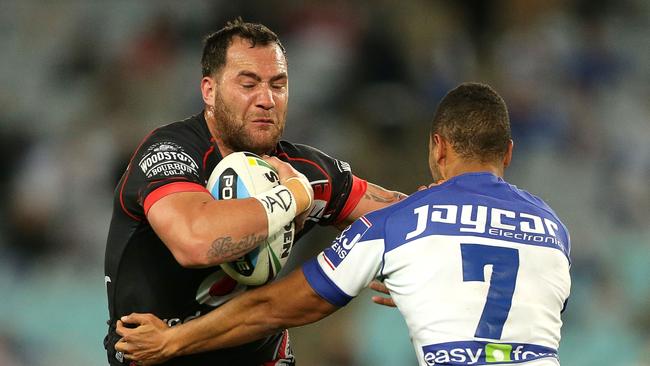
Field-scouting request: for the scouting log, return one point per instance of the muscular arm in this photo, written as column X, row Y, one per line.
column 250, row 316
column 375, row 198
column 201, row 231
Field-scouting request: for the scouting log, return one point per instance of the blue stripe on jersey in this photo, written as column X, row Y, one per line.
column 467, row 353
column 364, row 229
column 322, row 284
column 475, row 204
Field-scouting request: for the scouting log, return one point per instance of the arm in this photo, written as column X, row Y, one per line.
column 202, row 232
column 374, row 198
column 250, row 316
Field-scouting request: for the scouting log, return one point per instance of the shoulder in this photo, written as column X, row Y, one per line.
column 545, row 209
column 305, row 156
column 191, row 127
column 299, row 150
column 534, row 201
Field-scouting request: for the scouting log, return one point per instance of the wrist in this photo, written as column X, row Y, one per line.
column 302, row 192
column 280, row 206
column 173, row 345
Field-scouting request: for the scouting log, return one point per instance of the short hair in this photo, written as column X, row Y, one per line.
column 216, row 44
column 474, row 119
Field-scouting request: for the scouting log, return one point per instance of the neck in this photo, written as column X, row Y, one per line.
column 212, row 123
column 459, row 167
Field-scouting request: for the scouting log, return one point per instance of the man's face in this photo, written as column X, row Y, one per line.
column 251, row 95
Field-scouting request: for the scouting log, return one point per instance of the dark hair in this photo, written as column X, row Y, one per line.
column 474, row 119
column 216, row 44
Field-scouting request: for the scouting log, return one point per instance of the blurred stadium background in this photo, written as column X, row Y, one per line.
column 83, row 81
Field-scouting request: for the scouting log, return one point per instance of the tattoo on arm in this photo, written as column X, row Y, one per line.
column 373, row 193
column 225, row 248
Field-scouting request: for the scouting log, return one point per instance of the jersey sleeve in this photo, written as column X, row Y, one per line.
column 354, row 259
column 336, row 190
column 166, row 163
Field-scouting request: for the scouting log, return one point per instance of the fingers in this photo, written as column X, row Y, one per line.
column 295, row 181
column 126, row 325
column 123, row 346
column 422, row 188
column 386, row 301
column 121, row 329
column 379, row 287
column 273, row 161
column 139, row 318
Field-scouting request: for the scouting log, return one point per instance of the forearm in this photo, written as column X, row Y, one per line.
column 251, row 316
column 242, row 320
column 374, row 198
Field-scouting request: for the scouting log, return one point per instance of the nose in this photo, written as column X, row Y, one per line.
column 265, row 98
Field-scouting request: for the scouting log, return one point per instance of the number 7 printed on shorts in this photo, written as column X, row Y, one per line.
column 505, row 265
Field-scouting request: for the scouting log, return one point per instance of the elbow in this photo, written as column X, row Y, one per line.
column 195, row 254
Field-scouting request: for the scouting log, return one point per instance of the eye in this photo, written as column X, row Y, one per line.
column 248, row 86
column 279, row 86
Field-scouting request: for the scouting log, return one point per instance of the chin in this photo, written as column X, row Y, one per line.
column 262, row 147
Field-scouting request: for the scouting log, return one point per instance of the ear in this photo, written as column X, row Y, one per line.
column 508, row 157
column 439, row 148
column 208, row 89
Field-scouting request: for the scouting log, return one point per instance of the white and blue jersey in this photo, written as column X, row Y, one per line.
column 478, row 268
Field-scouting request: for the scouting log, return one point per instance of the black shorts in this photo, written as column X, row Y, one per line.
column 273, row 351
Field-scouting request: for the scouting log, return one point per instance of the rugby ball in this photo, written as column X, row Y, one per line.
column 242, row 175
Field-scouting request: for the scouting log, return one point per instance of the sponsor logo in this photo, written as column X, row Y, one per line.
column 167, row 159
column 175, row 321
column 343, row 166
column 483, row 353
column 493, row 221
column 287, row 240
column 343, row 244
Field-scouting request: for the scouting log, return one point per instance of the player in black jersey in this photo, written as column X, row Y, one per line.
column 168, row 235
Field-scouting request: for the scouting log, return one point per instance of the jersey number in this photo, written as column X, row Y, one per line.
column 505, row 265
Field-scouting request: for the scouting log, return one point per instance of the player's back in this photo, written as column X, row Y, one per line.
column 480, row 271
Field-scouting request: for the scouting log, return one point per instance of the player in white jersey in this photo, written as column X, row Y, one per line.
column 478, row 268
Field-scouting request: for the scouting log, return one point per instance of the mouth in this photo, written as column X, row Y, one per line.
column 264, row 120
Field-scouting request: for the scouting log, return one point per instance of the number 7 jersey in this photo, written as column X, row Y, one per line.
column 478, row 268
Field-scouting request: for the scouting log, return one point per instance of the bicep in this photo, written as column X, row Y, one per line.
column 201, row 231
column 375, row 198
column 171, row 216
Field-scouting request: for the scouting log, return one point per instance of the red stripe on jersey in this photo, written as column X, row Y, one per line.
column 207, row 153
column 328, row 262
column 168, row 189
column 126, row 177
column 359, row 187
column 281, row 352
column 365, row 221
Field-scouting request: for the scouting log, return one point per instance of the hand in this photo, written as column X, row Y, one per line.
column 147, row 343
column 380, row 287
column 422, row 188
column 296, row 182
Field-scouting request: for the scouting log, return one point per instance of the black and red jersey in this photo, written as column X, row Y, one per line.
column 142, row 274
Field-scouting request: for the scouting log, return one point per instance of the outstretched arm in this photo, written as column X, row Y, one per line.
column 375, row 198
column 255, row 314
